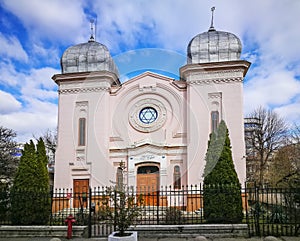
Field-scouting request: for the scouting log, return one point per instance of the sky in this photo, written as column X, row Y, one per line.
column 141, row 35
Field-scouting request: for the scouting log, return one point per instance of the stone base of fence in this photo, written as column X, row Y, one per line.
column 192, row 231
column 39, row 231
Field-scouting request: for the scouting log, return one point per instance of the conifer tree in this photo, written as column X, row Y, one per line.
column 222, row 190
column 43, row 161
column 30, row 201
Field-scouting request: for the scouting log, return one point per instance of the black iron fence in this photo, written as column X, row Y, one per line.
column 267, row 211
column 273, row 211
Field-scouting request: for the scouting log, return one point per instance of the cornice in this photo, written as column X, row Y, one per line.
column 217, row 72
column 112, row 78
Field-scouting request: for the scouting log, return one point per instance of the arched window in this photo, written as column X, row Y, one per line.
column 119, row 178
column 177, row 177
column 214, row 121
column 82, row 132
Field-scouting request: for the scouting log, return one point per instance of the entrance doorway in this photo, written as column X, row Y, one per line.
column 148, row 184
column 81, row 190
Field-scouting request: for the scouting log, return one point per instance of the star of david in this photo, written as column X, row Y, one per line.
column 148, row 115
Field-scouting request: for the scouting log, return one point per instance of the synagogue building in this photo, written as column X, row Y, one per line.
column 157, row 126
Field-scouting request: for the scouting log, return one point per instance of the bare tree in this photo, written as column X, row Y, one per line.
column 8, row 154
column 50, row 139
column 267, row 137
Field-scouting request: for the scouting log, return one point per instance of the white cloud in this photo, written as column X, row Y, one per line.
column 33, row 120
column 9, row 75
column 36, row 90
column 12, row 48
column 155, row 23
column 54, row 19
column 268, row 30
column 39, row 84
column 8, row 103
column 290, row 112
column 36, row 83
column 277, row 88
column 50, row 55
column 31, row 123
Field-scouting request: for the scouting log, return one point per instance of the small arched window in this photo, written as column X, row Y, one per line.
column 214, row 121
column 177, row 177
column 119, row 178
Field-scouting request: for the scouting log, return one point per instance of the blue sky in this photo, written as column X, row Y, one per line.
column 141, row 35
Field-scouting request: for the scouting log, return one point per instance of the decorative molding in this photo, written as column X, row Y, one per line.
column 82, row 90
column 79, row 169
column 147, row 157
column 220, row 71
column 149, row 88
column 180, row 161
column 163, row 171
column 215, row 95
column 179, row 135
column 216, row 81
column 115, row 138
column 80, row 155
column 81, row 104
column 80, row 158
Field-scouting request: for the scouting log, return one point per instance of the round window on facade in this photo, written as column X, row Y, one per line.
column 148, row 115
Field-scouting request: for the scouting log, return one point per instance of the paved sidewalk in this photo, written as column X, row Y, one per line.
column 147, row 239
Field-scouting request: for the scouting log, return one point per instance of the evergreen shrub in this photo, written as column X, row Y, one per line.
column 222, row 190
column 30, row 194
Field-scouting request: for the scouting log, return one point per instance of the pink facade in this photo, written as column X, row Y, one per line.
column 154, row 124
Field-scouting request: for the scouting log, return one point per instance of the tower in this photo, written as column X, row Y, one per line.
column 88, row 74
column 214, row 76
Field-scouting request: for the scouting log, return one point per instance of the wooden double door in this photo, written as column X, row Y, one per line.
column 148, row 184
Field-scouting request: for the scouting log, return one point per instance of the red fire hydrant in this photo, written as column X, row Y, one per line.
column 70, row 220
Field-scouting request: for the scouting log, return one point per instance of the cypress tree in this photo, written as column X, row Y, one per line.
column 30, row 201
column 44, row 210
column 222, row 190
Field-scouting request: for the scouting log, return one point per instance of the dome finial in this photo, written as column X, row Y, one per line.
column 212, row 19
column 92, row 39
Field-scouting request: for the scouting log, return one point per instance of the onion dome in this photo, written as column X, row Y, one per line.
column 213, row 46
column 87, row 57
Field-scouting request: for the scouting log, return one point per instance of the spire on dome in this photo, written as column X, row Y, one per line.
column 212, row 20
column 92, row 39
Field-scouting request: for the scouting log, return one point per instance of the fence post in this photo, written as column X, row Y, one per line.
column 157, row 205
column 246, row 207
column 257, row 210
column 90, row 213
column 115, row 206
column 51, row 205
